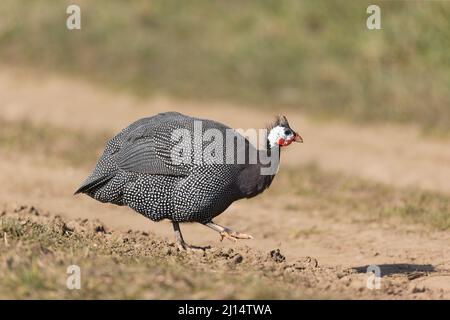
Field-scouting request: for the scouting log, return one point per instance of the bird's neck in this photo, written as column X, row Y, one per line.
column 272, row 149
column 269, row 162
column 256, row 178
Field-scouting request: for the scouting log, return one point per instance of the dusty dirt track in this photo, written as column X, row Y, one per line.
column 397, row 156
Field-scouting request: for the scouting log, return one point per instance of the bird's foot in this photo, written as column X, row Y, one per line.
column 183, row 246
column 233, row 235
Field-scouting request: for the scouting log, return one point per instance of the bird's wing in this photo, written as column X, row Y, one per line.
column 142, row 157
column 148, row 146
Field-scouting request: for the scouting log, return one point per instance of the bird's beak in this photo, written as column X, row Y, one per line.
column 298, row 138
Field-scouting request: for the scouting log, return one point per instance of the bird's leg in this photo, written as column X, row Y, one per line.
column 227, row 233
column 182, row 245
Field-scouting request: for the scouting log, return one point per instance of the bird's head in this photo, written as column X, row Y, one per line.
column 281, row 134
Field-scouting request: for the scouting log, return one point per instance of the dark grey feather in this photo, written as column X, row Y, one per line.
column 136, row 169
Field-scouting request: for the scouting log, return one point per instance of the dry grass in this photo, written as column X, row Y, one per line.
column 60, row 145
column 38, row 249
column 335, row 192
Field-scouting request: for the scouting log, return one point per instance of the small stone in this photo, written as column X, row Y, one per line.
column 238, row 259
column 19, row 208
column 66, row 229
column 33, row 210
column 418, row 289
column 99, row 228
column 276, row 256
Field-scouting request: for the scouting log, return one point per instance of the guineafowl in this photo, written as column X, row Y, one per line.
column 164, row 168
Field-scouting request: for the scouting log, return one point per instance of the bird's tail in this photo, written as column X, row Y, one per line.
column 93, row 183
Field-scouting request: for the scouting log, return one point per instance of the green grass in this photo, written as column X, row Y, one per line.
column 313, row 56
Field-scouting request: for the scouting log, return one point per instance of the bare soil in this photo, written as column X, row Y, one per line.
column 331, row 249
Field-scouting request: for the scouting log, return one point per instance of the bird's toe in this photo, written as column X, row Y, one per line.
column 190, row 248
column 234, row 236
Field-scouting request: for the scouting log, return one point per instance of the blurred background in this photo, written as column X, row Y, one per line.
column 371, row 183
column 315, row 57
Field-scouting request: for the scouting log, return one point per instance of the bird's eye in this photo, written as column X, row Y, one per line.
column 287, row 132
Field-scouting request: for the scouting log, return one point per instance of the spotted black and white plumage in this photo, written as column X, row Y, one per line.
column 136, row 170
